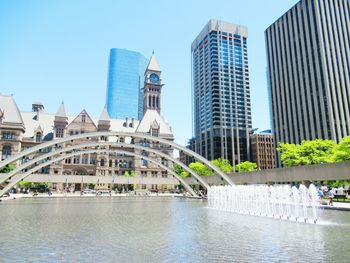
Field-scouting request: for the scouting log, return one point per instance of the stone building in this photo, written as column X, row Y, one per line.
column 20, row 130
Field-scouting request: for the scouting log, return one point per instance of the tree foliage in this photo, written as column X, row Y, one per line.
column 314, row 152
column 342, row 150
column 223, row 164
column 246, row 167
column 200, row 169
column 180, row 171
column 338, row 183
column 8, row 168
column 130, row 173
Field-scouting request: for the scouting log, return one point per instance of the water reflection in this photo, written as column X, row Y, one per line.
column 160, row 230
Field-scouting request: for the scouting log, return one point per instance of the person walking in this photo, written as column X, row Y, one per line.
column 331, row 196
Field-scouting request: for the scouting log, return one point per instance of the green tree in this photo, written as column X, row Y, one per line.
column 128, row 174
column 308, row 152
column 91, row 186
column 246, row 167
column 26, row 185
column 223, row 164
column 8, row 168
column 200, row 169
column 338, row 183
column 180, row 171
column 342, row 150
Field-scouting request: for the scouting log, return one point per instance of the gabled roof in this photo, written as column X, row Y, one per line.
column 11, row 112
column 78, row 119
column 104, row 115
column 153, row 64
column 150, row 118
column 61, row 111
column 155, row 125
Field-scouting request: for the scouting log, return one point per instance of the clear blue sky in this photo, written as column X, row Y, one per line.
column 58, row 50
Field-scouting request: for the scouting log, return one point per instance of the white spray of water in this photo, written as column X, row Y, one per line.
column 278, row 201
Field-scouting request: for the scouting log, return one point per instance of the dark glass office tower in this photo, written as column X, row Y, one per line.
column 308, row 70
column 125, row 83
column 220, row 91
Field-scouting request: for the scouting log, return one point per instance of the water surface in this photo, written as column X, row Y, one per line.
column 161, row 229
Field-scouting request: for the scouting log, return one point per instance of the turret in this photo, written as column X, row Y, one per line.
column 60, row 122
column 104, row 122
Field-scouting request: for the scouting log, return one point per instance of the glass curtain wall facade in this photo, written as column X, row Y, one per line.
column 308, row 71
column 221, row 93
column 125, row 84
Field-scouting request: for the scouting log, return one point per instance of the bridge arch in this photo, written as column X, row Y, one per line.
column 118, row 134
column 20, row 176
column 40, row 158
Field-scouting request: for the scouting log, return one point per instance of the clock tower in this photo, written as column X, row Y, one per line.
column 153, row 86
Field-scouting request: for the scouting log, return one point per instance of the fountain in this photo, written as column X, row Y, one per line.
column 277, row 201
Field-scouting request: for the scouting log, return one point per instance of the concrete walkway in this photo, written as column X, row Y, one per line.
column 341, row 206
column 77, row 194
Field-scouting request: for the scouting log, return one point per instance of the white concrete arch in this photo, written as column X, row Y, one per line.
column 20, row 176
column 119, row 134
column 6, row 176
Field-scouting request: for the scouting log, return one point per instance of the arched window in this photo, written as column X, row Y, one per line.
column 110, row 163
column 38, row 137
column 149, row 101
column 157, row 102
column 6, row 152
column 102, row 162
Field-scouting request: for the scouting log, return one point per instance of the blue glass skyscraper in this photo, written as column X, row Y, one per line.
column 125, row 82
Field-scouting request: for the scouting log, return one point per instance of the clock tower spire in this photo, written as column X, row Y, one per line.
column 153, row 86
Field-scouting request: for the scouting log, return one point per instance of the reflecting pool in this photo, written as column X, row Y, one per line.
column 161, row 229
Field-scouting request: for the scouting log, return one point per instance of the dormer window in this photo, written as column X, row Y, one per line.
column 155, row 132
column 38, row 137
column 59, row 132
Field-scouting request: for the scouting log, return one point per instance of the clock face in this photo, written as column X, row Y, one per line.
column 154, row 78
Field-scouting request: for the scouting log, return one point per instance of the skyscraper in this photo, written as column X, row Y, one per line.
column 308, row 71
column 125, row 82
column 220, row 91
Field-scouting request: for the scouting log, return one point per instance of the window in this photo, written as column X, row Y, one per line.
column 85, row 160
column 155, row 132
column 154, row 174
column 8, row 136
column 110, row 163
column 59, row 132
column 144, row 162
column 83, row 117
column 6, row 152
column 102, row 162
column 38, row 137
column 164, row 174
